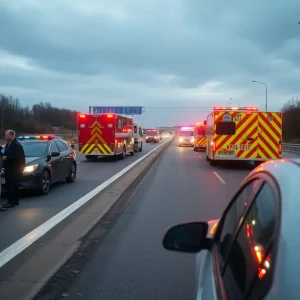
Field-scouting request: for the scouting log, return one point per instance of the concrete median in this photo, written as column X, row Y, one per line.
column 27, row 273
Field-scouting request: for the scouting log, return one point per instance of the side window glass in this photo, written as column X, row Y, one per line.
column 233, row 216
column 140, row 131
column 53, row 147
column 67, row 147
column 135, row 129
column 60, row 146
column 248, row 261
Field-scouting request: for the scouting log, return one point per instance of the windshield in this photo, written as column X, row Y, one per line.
column 34, row 149
column 186, row 133
column 151, row 133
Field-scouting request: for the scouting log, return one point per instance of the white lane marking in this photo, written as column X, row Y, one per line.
column 219, row 177
column 16, row 248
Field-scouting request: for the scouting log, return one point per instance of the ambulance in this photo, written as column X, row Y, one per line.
column 186, row 136
column 105, row 135
column 243, row 134
column 200, row 137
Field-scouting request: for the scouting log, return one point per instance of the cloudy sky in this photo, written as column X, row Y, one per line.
column 150, row 53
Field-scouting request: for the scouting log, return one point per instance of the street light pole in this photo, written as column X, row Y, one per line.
column 266, row 91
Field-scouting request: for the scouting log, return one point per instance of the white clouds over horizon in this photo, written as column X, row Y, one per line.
column 151, row 53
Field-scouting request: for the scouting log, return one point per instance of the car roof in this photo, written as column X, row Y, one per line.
column 286, row 172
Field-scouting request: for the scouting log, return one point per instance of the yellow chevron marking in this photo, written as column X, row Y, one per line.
column 96, row 123
column 266, row 127
column 96, row 129
column 239, row 129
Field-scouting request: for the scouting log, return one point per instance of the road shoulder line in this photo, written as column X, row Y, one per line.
column 219, row 177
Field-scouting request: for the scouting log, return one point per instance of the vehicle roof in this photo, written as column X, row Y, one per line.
column 40, row 141
column 287, row 174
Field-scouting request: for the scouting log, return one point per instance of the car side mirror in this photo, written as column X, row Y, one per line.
column 188, row 237
column 54, row 154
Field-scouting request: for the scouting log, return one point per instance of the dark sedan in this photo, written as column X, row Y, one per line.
column 48, row 159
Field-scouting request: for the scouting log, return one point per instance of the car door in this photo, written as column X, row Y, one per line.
column 64, row 156
column 56, row 163
column 245, row 242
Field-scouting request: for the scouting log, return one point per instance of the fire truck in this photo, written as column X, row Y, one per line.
column 200, row 137
column 243, row 133
column 105, row 135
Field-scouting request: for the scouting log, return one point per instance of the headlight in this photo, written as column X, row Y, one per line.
column 192, row 140
column 180, row 139
column 29, row 169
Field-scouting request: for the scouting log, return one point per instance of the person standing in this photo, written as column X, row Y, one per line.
column 13, row 162
column 1, row 166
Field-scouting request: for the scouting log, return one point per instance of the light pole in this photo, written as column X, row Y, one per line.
column 266, row 91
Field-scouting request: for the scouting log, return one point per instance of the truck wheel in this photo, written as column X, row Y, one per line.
column 132, row 152
column 141, row 148
column 195, row 149
column 91, row 157
column 207, row 159
column 212, row 162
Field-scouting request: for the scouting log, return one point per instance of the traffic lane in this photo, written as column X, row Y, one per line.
column 130, row 262
column 227, row 170
column 35, row 210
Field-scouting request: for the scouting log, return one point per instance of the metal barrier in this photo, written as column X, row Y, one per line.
column 293, row 148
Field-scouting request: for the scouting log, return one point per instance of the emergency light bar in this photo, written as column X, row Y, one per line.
column 187, row 128
column 81, row 116
column 37, row 137
column 235, row 108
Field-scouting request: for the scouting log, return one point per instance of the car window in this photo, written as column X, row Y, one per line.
column 248, row 257
column 233, row 216
column 67, row 147
column 53, row 147
column 225, row 128
column 135, row 129
column 140, row 131
column 60, row 146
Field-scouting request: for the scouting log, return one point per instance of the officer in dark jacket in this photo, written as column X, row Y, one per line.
column 13, row 162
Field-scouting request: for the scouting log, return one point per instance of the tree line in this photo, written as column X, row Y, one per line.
column 44, row 118
column 40, row 118
column 291, row 121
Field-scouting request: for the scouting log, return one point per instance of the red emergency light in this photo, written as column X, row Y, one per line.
column 81, row 116
column 45, row 137
column 235, row 108
column 110, row 115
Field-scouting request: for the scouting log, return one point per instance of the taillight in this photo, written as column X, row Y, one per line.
column 280, row 148
column 213, row 144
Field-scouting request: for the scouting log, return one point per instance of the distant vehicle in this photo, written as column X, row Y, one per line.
column 105, row 135
column 186, row 137
column 138, row 137
column 48, row 159
column 243, row 133
column 251, row 251
column 152, row 135
column 200, row 137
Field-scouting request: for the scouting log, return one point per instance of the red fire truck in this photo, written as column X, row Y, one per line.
column 105, row 135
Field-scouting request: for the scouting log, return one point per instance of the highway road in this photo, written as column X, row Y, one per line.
column 129, row 262
column 35, row 210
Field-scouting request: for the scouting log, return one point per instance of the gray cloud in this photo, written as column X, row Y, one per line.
column 152, row 53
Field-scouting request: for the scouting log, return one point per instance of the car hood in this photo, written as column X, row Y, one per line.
column 30, row 160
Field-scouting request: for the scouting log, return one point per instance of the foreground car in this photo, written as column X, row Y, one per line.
column 252, row 252
column 48, row 160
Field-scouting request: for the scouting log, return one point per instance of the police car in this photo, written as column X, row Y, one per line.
column 48, row 159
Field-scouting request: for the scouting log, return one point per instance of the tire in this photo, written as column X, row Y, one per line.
column 45, row 183
column 132, row 152
column 141, row 148
column 207, row 159
column 91, row 157
column 72, row 176
column 212, row 162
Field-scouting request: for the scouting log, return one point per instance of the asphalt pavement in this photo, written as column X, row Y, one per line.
column 35, row 210
column 129, row 262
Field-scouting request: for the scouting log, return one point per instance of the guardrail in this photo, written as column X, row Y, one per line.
column 293, row 148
